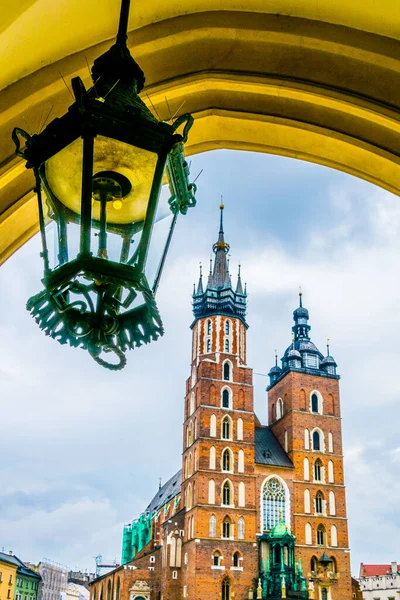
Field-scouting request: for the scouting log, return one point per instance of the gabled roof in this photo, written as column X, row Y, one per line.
column 268, row 449
column 9, row 558
column 373, row 570
column 168, row 491
column 22, row 569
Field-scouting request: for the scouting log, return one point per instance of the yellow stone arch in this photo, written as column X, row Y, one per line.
column 310, row 79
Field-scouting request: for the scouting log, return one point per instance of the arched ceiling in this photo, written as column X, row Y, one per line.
column 311, row 79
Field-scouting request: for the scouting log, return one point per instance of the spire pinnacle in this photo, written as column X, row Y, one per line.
column 276, row 358
column 301, row 297
column 328, row 341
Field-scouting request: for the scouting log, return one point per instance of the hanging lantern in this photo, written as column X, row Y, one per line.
column 101, row 171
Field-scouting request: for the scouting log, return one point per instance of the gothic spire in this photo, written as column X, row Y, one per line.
column 221, row 249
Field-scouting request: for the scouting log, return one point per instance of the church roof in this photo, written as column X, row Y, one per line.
column 166, row 492
column 268, row 449
column 219, row 296
column 374, row 570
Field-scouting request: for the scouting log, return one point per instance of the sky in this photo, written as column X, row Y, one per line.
column 82, row 448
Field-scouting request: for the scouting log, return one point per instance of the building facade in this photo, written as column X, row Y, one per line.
column 380, row 582
column 256, row 511
column 17, row 580
column 8, row 575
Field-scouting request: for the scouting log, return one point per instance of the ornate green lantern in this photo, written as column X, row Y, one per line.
column 101, row 171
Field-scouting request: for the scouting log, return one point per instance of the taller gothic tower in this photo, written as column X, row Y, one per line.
column 304, row 415
column 218, row 481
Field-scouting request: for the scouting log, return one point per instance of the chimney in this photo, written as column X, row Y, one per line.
column 394, row 568
column 10, row 552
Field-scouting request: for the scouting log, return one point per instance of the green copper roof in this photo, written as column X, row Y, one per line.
column 279, row 531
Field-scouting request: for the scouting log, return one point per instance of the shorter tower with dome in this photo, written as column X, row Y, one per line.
column 255, row 510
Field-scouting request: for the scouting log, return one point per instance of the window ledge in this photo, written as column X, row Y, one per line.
column 236, row 568
column 219, row 568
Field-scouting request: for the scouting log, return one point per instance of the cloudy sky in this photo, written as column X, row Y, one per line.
column 82, row 449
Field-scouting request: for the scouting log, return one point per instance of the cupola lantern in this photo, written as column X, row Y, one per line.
column 108, row 174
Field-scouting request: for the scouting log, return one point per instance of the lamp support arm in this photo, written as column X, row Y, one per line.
column 122, row 34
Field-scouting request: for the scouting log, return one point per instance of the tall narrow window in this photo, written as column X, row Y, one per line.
column 226, row 460
column 308, row 533
column 226, row 428
column 172, row 552
column 226, row 589
column 226, row 528
column 318, row 503
column 240, row 461
column 306, row 439
column 241, row 528
column 190, row 465
column 189, row 497
column 273, row 502
column 317, row 470
column 314, row 403
column 236, row 558
column 227, row 371
column 227, row 345
column 240, row 429
column 332, row 504
column 211, row 491
column 225, row 399
column 213, row 426
column 178, row 561
column 242, row 495
column 213, row 526
column 212, row 457
column 324, row 594
column 279, row 408
column 226, row 494
column 208, row 345
column 216, row 558
column 331, row 476
column 321, row 535
column 334, row 541
column 227, row 328
column 306, row 469
column 208, row 327
column 330, row 441
column 307, row 507
column 316, row 440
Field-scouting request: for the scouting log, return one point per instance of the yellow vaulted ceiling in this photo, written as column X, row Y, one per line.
column 312, row 79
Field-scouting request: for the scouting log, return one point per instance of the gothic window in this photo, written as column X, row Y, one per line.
column 227, row 371
column 321, row 535
column 208, row 327
column 172, row 556
column 242, row 494
column 306, row 439
column 317, row 470
column 332, row 504
column 306, row 469
column 190, row 465
column 226, row 528
column 314, row 403
column 189, row 497
column 318, row 503
column 308, row 534
column 190, row 434
column 324, row 594
column 208, row 345
column 331, row 477
column 236, row 558
column 213, row 426
column 213, row 526
column 330, row 442
column 178, row 561
column 316, row 440
column 273, row 502
column 240, row 461
column 217, row 558
column 279, row 408
column 314, row 564
column 240, row 429
column 226, row 428
column 227, row 494
column 117, row 591
column 226, row 589
column 334, row 541
column 212, row 457
column 191, row 406
column 241, row 528
column 226, row 401
column 227, row 328
column 226, row 460
column 109, row 590
column 307, row 507
column 211, row 491
column 227, row 345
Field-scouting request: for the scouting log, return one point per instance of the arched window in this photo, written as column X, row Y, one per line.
column 332, row 504
column 308, row 534
column 314, row 403
column 241, row 528
column 307, row 507
column 236, row 558
column 109, row 590
column 227, row 460
column 318, row 503
column 240, row 461
column 213, row 426
column 316, row 438
column 190, row 434
column 333, row 564
column 317, row 470
column 208, row 327
column 273, row 502
column 190, row 465
column 227, row 327
column 306, row 469
column 178, row 561
column 279, row 408
column 321, row 535
column 195, row 428
column 306, row 439
column 227, row 371
column 226, row 589
column 226, row 528
column 227, row 496
column 226, row 399
column 212, row 457
column 314, row 564
column 242, row 495
column 227, row 345
column 209, row 345
column 226, row 428
column 117, row 589
column 331, row 476
column 191, row 406
column 217, row 558
column 172, row 552
column 189, row 497
column 330, row 442
column 324, row 594
column 211, row 491
column 213, row 526
column 240, row 429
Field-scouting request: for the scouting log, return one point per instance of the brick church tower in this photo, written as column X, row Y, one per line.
column 218, row 481
column 304, row 415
